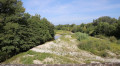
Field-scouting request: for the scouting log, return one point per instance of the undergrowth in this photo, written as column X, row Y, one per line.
column 81, row 36
column 24, row 59
column 99, row 46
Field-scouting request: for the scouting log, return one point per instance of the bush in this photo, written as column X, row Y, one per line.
column 115, row 48
column 113, row 39
column 95, row 46
column 104, row 54
column 118, row 41
column 81, row 36
column 100, row 36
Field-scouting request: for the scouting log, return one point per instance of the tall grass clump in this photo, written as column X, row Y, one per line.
column 95, row 46
column 113, row 39
column 115, row 48
column 101, row 36
column 118, row 41
column 81, row 36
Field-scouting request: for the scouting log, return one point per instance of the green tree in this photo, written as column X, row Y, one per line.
column 104, row 28
column 11, row 12
column 20, row 31
column 104, row 19
column 118, row 29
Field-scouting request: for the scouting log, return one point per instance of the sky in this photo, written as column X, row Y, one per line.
column 72, row 11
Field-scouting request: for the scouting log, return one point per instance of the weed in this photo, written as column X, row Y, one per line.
column 81, row 36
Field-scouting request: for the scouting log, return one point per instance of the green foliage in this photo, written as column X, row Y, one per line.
column 10, row 7
column 104, row 28
column 8, row 61
column 101, row 36
column 81, row 36
column 20, row 31
column 42, row 56
column 104, row 19
column 118, row 29
column 95, row 46
column 113, row 39
column 66, row 27
column 103, row 54
column 99, row 46
column 62, row 32
column 118, row 41
column 105, row 25
column 115, row 48
column 24, row 59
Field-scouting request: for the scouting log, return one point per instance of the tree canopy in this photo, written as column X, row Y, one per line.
column 20, row 31
column 102, row 26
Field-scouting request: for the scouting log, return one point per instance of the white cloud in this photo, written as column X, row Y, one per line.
column 44, row 6
column 76, row 10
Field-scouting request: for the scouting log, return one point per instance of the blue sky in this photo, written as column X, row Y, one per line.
column 72, row 11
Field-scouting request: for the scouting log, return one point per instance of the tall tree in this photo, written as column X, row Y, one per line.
column 104, row 19
column 20, row 31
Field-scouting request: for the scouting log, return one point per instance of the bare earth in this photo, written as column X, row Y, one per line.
column 70, row 50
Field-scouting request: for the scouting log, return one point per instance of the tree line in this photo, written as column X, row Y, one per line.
column 104, row 25
column 20, row 31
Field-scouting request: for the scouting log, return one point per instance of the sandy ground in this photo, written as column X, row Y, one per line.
column 70, row 50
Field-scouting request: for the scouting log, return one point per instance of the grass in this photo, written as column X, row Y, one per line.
column 65, row 39
column 9, row 61
column 81, row 36
column 39, row 56
column 62, row 32
column 58, row 59
column 62, row 38
column 118, row 41
column 99, row 46
column 42, row 56
column 89, row 61
column 112, row 39
column 115, row 48
column 95, row 46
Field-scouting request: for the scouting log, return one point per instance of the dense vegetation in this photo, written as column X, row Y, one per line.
column 105, row 25
column 105, row 36
column 95, row 46
column 81, row 36
column 20, row 31
column 101, row 46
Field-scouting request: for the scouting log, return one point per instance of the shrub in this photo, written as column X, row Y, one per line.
column 100, row 36
column 104, row 54
column 95, row 46
column 81, row 36
column 115, row 48
column 118, row 41
column 113, row 39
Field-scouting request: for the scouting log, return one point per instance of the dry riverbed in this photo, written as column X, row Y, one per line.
column 67, row 47
column 63, row 50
